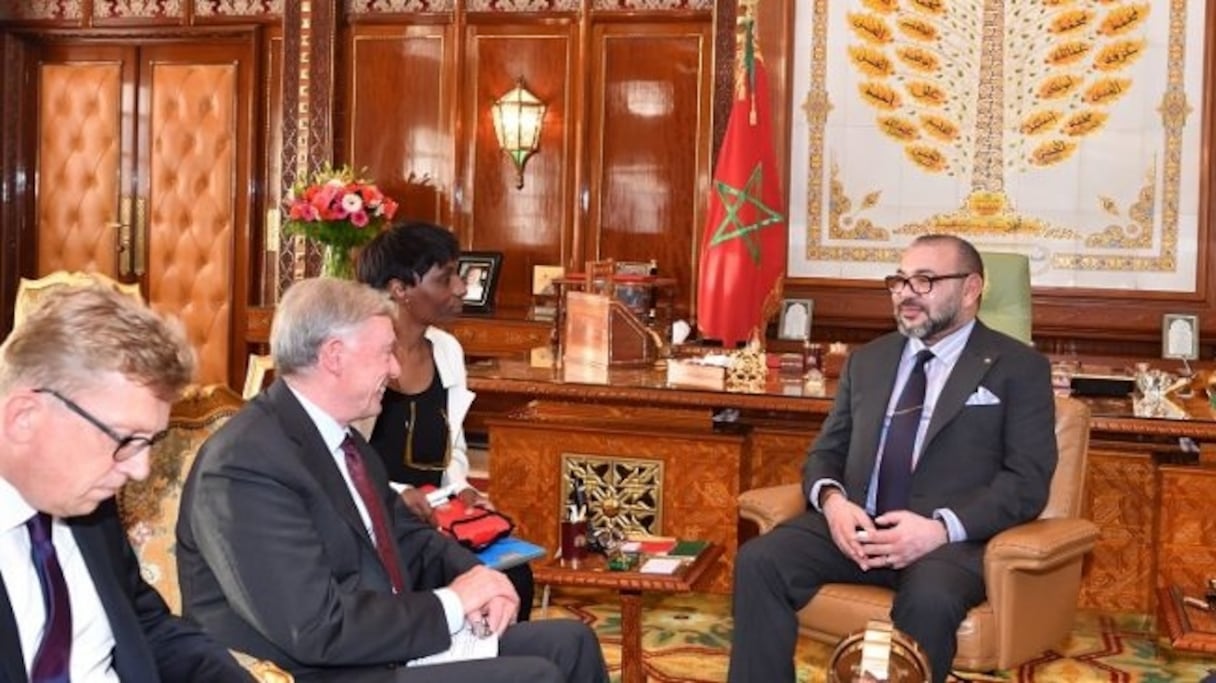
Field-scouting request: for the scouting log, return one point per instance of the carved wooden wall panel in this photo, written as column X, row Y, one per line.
column 399, row 109
column 531, row 224
column 776, row 456
column 1121, row 499
column 649, row 113
column 1187, row 546
column 700, row 472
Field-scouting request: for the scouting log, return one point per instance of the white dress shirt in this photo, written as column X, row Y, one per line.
column 92, row 639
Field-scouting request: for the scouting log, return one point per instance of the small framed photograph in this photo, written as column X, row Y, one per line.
column 543, row 277
column 1180, row 336
column 795, row 324
column 480, row 271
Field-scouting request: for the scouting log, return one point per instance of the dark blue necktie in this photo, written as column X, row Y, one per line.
column 895, row 472
column 54, row 653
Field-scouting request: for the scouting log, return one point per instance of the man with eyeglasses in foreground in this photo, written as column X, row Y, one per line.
column 942, row 434
column 86, row 383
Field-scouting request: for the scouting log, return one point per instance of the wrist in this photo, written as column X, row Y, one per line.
column 827, row 494
column 945, row 529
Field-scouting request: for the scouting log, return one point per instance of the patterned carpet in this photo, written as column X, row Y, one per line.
column 686, row 639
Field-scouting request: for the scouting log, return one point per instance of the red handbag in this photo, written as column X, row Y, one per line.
column 472, row 527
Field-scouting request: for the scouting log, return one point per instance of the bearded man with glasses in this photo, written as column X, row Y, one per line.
column 86, row 383
column 942, row 435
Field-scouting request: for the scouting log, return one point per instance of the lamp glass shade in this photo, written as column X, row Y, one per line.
column 517, row 120
column 1006, row 304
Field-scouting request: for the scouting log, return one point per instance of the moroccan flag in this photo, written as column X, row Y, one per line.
column 743, row 251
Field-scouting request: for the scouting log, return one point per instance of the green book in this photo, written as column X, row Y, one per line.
column 685, row 548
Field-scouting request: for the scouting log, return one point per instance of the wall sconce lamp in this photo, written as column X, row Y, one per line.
column 517, row 120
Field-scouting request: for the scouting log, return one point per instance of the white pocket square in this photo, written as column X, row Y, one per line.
column 983, row 397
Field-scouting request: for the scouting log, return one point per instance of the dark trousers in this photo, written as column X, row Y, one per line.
column 776, row 574
column 521, row 577
column 549, row 651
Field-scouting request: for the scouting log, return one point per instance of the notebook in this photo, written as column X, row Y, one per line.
column 466, row 645
column 509, row 552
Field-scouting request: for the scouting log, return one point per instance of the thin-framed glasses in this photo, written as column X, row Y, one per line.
column 128, row 446
column 920, row 284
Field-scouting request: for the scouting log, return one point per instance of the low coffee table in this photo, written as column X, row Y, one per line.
column 1187, row 628
column 592, row 572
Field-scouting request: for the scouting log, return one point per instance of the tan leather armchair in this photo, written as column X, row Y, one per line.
column 1033, row 571
column 149, row 508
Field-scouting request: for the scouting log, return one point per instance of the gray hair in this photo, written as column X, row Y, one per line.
column 77, row 332
column 315, row 310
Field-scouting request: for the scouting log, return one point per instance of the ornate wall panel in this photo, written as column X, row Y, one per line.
column 1122, row 501
column 648, row 177
column 523, row 5
column 395, row 134
column 377, row 6
column 777, row 455
column 238, row 8
column 41, row 9
column 635, row 5
column 531, row 224
column 137, row 9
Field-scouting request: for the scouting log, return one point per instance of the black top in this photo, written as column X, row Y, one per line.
column 412, row 435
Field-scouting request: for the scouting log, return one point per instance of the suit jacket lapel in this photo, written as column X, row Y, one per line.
column 12, row 663
column 132, row 657
column 973, row 364
column 315, row 456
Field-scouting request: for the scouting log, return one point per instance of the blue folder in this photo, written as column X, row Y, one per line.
column 509, row 552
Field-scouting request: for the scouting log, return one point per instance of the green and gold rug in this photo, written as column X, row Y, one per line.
column 686, row 639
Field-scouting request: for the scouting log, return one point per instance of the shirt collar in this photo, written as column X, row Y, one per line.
column 14, row 511
column 332, row 432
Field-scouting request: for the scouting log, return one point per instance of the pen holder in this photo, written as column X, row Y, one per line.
column 574, row 540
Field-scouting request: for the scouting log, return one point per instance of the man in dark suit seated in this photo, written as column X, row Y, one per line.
column 86, row 382
column 942, row 435
column 293, row 548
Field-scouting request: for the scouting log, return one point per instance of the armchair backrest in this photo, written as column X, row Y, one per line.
column 29, row 292
column 1072, row 438
column 149, row 508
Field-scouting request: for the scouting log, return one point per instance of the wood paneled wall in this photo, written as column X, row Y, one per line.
column 623, row 164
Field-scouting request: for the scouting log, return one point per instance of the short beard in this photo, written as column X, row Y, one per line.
column 933, row 325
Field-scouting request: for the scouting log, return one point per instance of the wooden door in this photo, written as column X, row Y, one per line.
column 144, row 174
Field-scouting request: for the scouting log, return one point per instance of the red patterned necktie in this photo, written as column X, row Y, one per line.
column 895, row 471
column 54, row 653
column 375, row 510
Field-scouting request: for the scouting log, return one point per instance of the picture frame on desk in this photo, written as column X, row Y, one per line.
column 1180, row 336
column 480, row 271
column 795, row 322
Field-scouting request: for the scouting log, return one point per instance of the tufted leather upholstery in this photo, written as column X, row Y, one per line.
column 1033, row 571
column 149, row 508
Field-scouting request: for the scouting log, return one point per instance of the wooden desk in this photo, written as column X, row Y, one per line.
column 1157, row 518
column 591, row 572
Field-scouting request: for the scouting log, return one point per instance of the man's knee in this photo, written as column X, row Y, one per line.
column 535, row 669
column 755, row 558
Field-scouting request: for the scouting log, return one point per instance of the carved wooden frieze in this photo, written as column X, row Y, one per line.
column 238, row 8
column 132, row 9
column 633, row 5
column 624, row 495
column 523, row 5
column 378, row 6
column 41, row 9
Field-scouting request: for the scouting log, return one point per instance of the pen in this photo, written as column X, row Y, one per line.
column 483, row 627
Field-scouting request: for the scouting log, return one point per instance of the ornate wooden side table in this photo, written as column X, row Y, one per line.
column 592, row 572
column 1185, row 627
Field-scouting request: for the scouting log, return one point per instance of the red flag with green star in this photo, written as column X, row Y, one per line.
column 743, row 250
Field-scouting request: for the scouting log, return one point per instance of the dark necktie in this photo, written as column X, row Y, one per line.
column 54, row 652
column 385, row 544
column 895, row 472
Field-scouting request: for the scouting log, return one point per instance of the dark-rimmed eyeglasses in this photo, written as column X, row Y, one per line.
column 128, row 446
column 920, row 284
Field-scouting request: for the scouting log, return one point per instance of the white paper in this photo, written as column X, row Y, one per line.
column 466, row 645
column 660, row 565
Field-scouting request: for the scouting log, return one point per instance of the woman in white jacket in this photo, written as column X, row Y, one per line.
column 419, row 433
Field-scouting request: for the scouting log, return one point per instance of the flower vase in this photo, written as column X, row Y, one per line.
column 336, row 262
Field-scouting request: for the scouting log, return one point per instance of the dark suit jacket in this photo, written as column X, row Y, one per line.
column 274, row 558
column 990, row 464
column 150, row 643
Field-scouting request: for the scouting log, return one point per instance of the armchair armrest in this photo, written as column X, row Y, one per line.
column 1040, row 545
column 770, row 506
